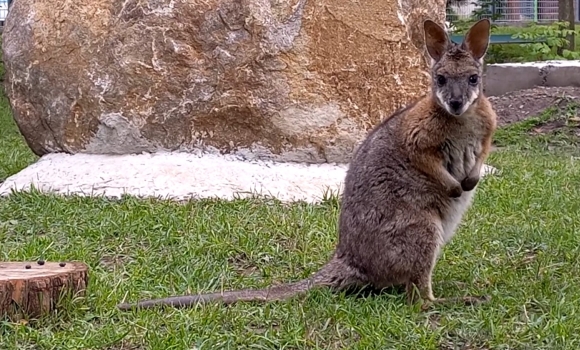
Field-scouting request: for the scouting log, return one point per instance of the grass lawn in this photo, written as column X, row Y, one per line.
column 519, row 244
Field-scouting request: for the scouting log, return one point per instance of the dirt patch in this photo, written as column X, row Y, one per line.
column 434, row 321
column 243, row 264
column 519, row 105
column 548, row 127
column 124, row 345
column 570, row 123
column 112, row 262
column 461, row 345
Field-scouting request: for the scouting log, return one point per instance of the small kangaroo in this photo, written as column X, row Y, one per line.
column 407, row 186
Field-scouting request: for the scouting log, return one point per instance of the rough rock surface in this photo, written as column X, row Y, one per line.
column 298, row 80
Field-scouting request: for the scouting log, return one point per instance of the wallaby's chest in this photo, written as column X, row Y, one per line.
column 461, row 148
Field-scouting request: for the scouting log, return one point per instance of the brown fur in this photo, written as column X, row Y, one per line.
column 424, row 137
column 407, row 187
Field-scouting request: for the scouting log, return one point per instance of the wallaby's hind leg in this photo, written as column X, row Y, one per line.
column 427, row 244
column 419, row 286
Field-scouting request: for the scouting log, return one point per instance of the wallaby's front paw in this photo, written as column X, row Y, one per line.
column 469, row 183
column 456, row 191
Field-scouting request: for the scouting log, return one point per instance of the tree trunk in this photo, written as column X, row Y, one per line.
column 31, row 289
column 566, row 14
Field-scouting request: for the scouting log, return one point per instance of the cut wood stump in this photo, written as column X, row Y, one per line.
column 32, row 289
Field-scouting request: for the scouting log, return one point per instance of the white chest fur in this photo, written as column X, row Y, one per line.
column 452, row 217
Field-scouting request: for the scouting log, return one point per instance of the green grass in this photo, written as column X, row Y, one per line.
column 14, row 154
column 519, row 244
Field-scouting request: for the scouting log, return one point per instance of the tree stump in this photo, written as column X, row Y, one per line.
column 32, row 289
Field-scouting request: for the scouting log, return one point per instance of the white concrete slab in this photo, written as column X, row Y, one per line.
column 178, row 176
column 540, row 64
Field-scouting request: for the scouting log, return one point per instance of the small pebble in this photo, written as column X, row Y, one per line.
column 40, row 262
column 62, row 264
column 28, row 266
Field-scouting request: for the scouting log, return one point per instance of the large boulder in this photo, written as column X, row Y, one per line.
column 299, row 80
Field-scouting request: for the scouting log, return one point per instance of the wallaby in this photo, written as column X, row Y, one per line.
column 407, row 187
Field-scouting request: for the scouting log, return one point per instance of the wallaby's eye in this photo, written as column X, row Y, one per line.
column 473, row 79
column 441, row 80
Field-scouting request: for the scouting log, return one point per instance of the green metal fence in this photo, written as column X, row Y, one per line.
column 540, row 11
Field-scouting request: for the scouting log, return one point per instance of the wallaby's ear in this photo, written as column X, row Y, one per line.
column 477, row 38
column 436, row 39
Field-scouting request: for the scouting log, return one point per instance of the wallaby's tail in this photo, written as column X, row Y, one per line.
column 226, row 297
column 333, row 275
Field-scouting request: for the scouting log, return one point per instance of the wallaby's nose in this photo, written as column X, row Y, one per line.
column 455, row 103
